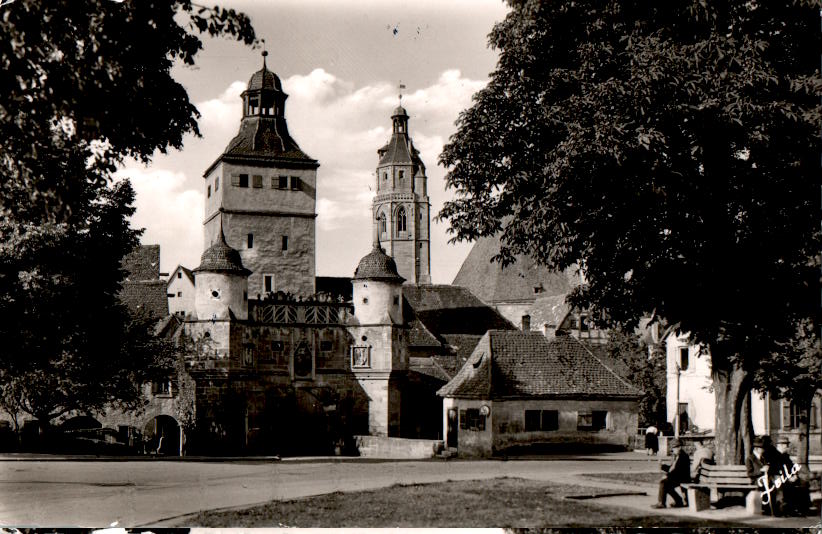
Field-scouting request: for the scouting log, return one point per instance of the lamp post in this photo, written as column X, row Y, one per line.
column 676, row 408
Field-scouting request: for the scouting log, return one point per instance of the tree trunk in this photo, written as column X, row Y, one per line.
column 732, row 388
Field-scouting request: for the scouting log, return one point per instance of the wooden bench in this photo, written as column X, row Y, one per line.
column 721, row 479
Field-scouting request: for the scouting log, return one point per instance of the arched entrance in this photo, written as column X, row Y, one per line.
column 161, row 435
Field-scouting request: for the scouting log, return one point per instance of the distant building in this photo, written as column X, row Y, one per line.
column 691, row 402
column 519, row 389
column 181, row 292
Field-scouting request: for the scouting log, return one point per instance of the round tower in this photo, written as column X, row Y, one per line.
column 221, row 283
column 377, row 289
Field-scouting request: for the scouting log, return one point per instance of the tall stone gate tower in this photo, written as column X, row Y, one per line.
column 401, row 208
column 265, row 187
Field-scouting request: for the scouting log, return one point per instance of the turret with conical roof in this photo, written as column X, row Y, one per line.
column 221, row 283
column 265, row 187
column 401, row 207
column 377, row 289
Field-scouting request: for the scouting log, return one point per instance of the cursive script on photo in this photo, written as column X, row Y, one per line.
column 4, row 3
column 778, row 481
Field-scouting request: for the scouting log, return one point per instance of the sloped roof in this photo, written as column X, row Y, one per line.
column 265, row 138
column 461, row 346
column 145, row 297
column 143, row 292
column 428, row 366
column 522, row 281
column 445, row 309
column 221, row 258
column 143, row 263
column 377, row 265
column 188, row 273
column 550, row 310
column 264, row 79
column 515, row 364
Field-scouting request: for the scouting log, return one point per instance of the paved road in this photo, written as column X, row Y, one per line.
column 96, row 494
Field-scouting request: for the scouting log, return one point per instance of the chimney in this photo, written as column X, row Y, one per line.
column 526, row 323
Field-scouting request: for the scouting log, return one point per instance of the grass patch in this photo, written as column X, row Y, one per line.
column 643, row 478
column 502, row 502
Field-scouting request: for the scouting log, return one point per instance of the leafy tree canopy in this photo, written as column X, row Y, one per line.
column 671, row 148
column 84, row 85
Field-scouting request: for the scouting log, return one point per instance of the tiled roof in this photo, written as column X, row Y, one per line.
column 145, row 297
column 143, row 292
column 143, row 263
column 221, row 258
column 265, row 138
column 521, row 281
column 549, row 310
column 461, row 346
column 264, row 79
column 447, row 309
column 514, row 364
column 428, row 366
column 377, row 265
column 418, row 334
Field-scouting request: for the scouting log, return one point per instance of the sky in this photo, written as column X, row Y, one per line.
column 340, row 62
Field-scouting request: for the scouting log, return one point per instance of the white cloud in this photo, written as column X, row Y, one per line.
column 170, row 214
column 333, row 121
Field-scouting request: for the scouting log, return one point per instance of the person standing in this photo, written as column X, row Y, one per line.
column 677, row 473
column 652, row 440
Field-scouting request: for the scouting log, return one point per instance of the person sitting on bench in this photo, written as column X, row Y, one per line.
column 678, row 473
column 760, row 470
column 795, row 491
column 703, row 454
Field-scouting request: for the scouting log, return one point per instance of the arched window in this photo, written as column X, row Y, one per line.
column 382, row 223
column 401, row 220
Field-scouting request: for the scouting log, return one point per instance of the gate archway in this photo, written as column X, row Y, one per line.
column 161, row 435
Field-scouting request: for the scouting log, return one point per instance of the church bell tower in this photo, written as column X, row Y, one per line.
column 401, row 207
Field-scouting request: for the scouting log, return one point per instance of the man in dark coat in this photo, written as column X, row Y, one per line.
column 761, row 466
column 678, row 473
column 795, row 490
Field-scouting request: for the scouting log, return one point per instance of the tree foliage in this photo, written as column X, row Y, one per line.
column 672, row 149
column 84, row 85
column 645, row 369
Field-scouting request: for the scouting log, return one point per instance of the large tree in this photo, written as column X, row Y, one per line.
column 672, row 150
column 794, row 372
column 83, row 86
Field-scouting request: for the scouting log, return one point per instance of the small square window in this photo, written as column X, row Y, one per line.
column 268, row 283
column 235, row 180
column 243, row 180
column 282, row 182
column 250, row 240
column 179, row 274
column 170, row 295
column 179, row 293
column 396, row 300
column 402, row 175
column 285, row 242
column 208, row 191
column 295, row 183
column 257, row 181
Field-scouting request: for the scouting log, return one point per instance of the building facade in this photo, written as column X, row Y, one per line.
column 691, row 402
column 265, row 187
